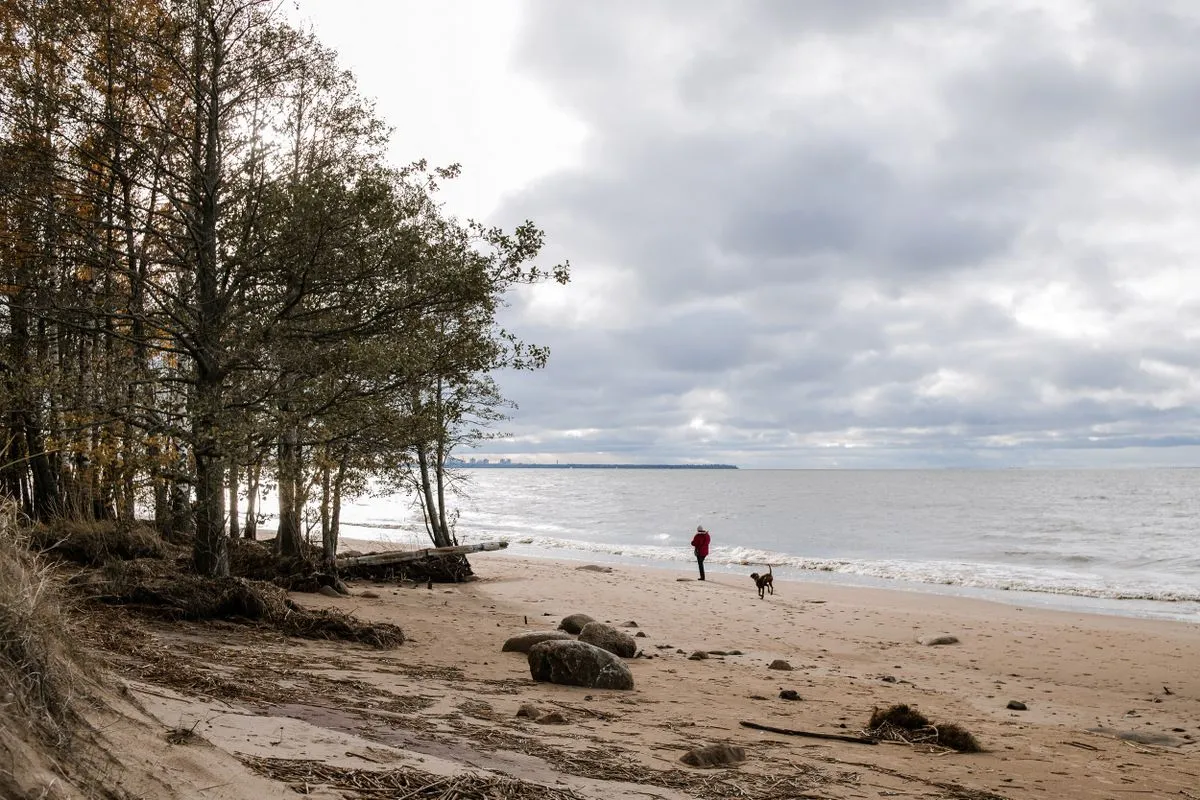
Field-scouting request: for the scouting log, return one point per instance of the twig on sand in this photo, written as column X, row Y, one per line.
column 810, row 734
column 1084, row 746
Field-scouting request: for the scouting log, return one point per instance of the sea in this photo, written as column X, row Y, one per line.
column 1121, row 542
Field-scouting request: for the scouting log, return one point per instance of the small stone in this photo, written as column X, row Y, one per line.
column 341, row 587
column 888, row 678
column 714, row 755
column 779, row 663
column 369, row 595
column 529, row 711
column 698, row 655
column 941, row 638
column 629, row 624
column 1016, row 705
column 789, row 694
column 717, row 653
column 735, row 652
column 552, row 718
column 594, row 568
column 640, row 635
column 329, row 591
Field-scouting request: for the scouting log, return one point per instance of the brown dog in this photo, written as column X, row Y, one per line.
column 765, row 583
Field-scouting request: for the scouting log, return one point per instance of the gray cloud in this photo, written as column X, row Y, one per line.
column 873, row 234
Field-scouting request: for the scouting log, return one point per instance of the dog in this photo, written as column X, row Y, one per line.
column 765, row 583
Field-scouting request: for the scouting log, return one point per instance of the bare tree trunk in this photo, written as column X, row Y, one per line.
column 210, row 548
column 433, row 518
column 180, row 519
column 250, row 529
column 234, row 489
column 46, row 502
column 289, row 541
column 327, row 552
column 162, row 497
column 335, row 522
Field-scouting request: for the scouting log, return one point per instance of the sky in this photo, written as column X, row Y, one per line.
column 824, row 234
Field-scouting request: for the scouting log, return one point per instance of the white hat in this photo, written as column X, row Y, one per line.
column 700, row 528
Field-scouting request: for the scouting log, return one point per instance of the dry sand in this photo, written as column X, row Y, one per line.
column 446, row 701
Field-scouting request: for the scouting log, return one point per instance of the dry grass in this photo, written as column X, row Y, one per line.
column 39, row 672
column 303, row 776
column 41, row 681
column 95, row 543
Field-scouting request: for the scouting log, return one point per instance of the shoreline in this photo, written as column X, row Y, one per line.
column 918, row 596
column 1184, row 611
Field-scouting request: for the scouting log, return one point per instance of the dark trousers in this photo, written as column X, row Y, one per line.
column 700, row 561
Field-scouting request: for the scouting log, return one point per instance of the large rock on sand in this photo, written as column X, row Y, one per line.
column 522, row 642
column 574, row 623
column 578, row 664
column 606, row 636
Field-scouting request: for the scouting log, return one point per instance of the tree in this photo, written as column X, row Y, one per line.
column 207, row 265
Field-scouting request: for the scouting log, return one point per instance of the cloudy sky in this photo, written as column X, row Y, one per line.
column 816, row 233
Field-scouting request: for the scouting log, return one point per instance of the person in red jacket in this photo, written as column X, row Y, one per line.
column 700, row 545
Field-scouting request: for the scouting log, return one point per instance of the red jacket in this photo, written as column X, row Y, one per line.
column 700, row 542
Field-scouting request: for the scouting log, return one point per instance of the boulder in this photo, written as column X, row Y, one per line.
column 606, row 636
column 574, row 623
column 779, row 663
column 576, row 663
column 523, row 641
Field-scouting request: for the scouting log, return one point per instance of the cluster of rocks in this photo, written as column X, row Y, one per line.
column 582, row 652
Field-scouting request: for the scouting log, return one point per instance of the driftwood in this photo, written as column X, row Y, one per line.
column 400, row 556
column 810, row 734
column 430, row 565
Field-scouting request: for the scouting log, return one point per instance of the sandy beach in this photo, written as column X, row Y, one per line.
column 270, row 712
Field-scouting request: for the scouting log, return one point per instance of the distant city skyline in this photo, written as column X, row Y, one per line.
column 819, row 233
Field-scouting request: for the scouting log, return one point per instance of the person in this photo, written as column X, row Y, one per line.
column 700, row 545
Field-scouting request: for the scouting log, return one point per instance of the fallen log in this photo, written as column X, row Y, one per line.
column 810, row 734
column 391, row 557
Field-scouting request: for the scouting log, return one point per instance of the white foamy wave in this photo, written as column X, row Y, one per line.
column 945, row 573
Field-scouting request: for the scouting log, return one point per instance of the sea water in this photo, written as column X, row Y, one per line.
column 1125, row 542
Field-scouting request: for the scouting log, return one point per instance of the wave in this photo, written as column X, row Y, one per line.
column 1004, row 577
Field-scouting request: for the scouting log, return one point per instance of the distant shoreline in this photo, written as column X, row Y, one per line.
column 514, row 465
